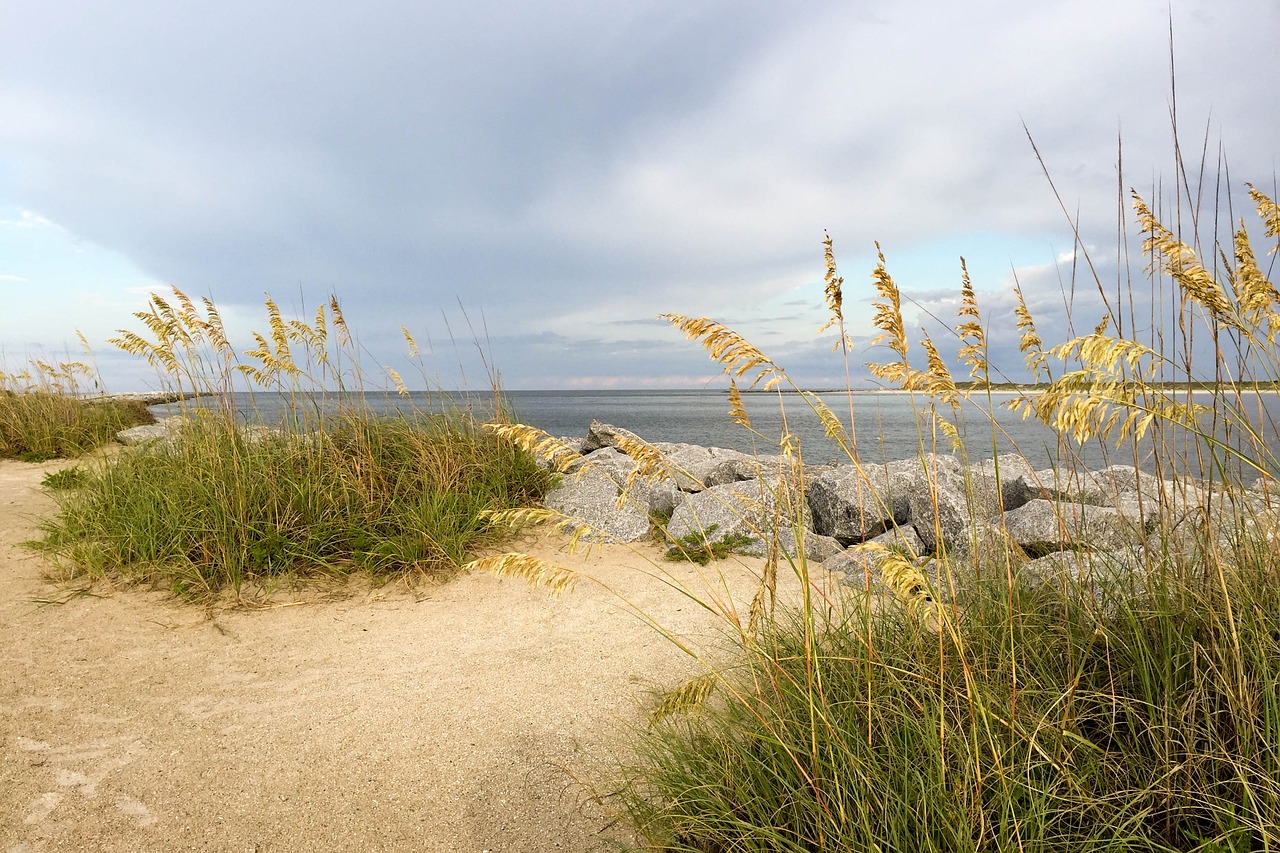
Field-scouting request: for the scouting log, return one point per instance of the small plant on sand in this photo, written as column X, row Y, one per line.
column 327, row 488
column 703, row 546
column 67, row 478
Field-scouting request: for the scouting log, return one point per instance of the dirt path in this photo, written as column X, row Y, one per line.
column 460, row 718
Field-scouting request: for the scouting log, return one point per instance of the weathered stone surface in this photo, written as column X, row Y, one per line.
column 592, row 497
column 817, row 548
column 852, row 505
column 614, row 463
column 1122, row 479
column 861, row 570
column 697, row 468
column 1100, row 579
column 162, row 430
column 600, row 434
column 746, row 509
column 936, row 493
column 1005, row 476
column 903, row 537
column 1042, row 526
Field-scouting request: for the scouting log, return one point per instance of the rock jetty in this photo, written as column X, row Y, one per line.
column 1050, row 518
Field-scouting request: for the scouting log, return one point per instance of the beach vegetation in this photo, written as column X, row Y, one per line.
column 703, row 546
column 233, row 502
column 67, row 478
column 47, row 412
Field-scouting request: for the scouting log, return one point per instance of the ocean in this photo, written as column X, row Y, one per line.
column 887, row 425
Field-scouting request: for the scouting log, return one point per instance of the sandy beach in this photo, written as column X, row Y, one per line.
column 476, row 715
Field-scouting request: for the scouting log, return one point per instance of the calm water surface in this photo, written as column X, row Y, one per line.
column 886, row 424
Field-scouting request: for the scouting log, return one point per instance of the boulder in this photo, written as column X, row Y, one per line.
column 163, row 430
column 697, row 468
column 592, row 497
column 600, row 434
column 746, row 509
column 853, row 504
column 937, row 494
column 1042, row 526
column 902, row 537
column 1006, row 477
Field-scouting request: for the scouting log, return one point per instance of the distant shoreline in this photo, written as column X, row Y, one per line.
column 148, row 398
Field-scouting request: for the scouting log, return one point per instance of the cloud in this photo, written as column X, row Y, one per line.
column 560, row 168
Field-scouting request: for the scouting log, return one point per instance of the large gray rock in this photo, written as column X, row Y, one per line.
column 1042, row 526
column 165, row 429
column 747, row 509
column 853, row 504
column 592, row 497
column 1002, row 482
column 697, row 468
column 937, row 494
column 861, row 570
column 1101, row 580
column 613, row 463
column 904, row 538
column 600, row 434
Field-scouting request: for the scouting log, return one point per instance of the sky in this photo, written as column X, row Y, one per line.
column 537, row 182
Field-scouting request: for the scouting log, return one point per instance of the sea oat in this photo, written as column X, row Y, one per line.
column 973, row 349
column 690, row 696
column 1269, row 212
column 534, row 570
column 726, row 347
column 550, row 449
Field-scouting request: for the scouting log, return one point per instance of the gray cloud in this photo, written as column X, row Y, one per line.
column 560, row 167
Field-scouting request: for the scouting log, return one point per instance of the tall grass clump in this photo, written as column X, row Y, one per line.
column 966, row 697
column 326, row 486
column 44, row 413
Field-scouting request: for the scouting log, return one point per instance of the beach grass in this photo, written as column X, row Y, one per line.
column 228, row 503
column 44, row 413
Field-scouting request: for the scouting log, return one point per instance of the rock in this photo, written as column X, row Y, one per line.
column 747, row 509
column 1043, row 526
column 697, row 468
column 163, row 430
column 904, row 538
column 1101, row 579
column 861, row 570
column 609, row 461
column 600, row 435
column 1004, row 476
column 852, row 504
column 936, row 493
column 592, row 497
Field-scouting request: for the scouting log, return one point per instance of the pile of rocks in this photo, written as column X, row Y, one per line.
column 922, row 505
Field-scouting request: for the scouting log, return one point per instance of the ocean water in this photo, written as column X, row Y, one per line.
column 887, row 425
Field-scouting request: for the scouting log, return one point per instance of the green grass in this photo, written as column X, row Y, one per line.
column 221, row 507
column 39, row 425
column 703, row 546
column 1038, row 725
column 332, row 489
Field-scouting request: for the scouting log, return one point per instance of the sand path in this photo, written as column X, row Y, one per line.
column 477, row 715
